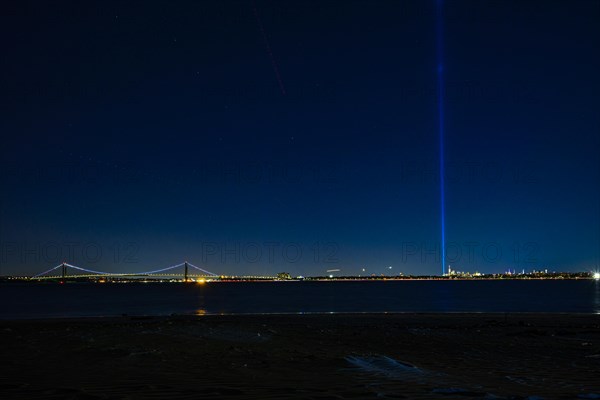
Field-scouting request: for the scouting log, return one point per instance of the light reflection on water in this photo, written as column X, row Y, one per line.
column 597, row 296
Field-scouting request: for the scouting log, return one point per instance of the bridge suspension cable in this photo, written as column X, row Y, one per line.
column 202, row 270
column 156, row 271
column 45, row 272
column 159, row 270
column 90, row 270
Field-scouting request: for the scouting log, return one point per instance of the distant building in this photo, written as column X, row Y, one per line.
column 284, row 276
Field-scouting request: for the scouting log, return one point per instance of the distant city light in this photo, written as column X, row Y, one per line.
column 597, row 276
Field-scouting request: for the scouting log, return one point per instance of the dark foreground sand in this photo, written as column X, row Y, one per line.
column 450, row 356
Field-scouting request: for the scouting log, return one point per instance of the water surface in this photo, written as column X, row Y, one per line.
column 48, row 300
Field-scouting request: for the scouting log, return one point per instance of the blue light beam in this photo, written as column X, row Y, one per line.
column 440, row 81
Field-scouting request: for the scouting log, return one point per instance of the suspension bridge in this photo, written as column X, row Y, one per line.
column 184, row 270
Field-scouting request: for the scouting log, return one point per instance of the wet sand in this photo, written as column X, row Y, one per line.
column 412, row 356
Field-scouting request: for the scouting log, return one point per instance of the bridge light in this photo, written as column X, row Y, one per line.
column 597, row 276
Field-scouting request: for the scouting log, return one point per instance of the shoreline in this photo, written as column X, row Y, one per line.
column 241, row 279
column 191, row 316
column 394, row 355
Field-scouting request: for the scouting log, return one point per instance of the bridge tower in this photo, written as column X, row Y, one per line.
column 185, row 273
column 64, row 270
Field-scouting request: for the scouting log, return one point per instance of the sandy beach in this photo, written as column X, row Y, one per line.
column 341, row 356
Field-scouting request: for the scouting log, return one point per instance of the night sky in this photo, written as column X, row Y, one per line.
column 259, row 137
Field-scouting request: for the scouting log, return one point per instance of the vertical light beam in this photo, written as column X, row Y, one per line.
column 440, row 82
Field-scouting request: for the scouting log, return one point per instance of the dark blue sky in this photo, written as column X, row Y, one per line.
column 140, row 134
